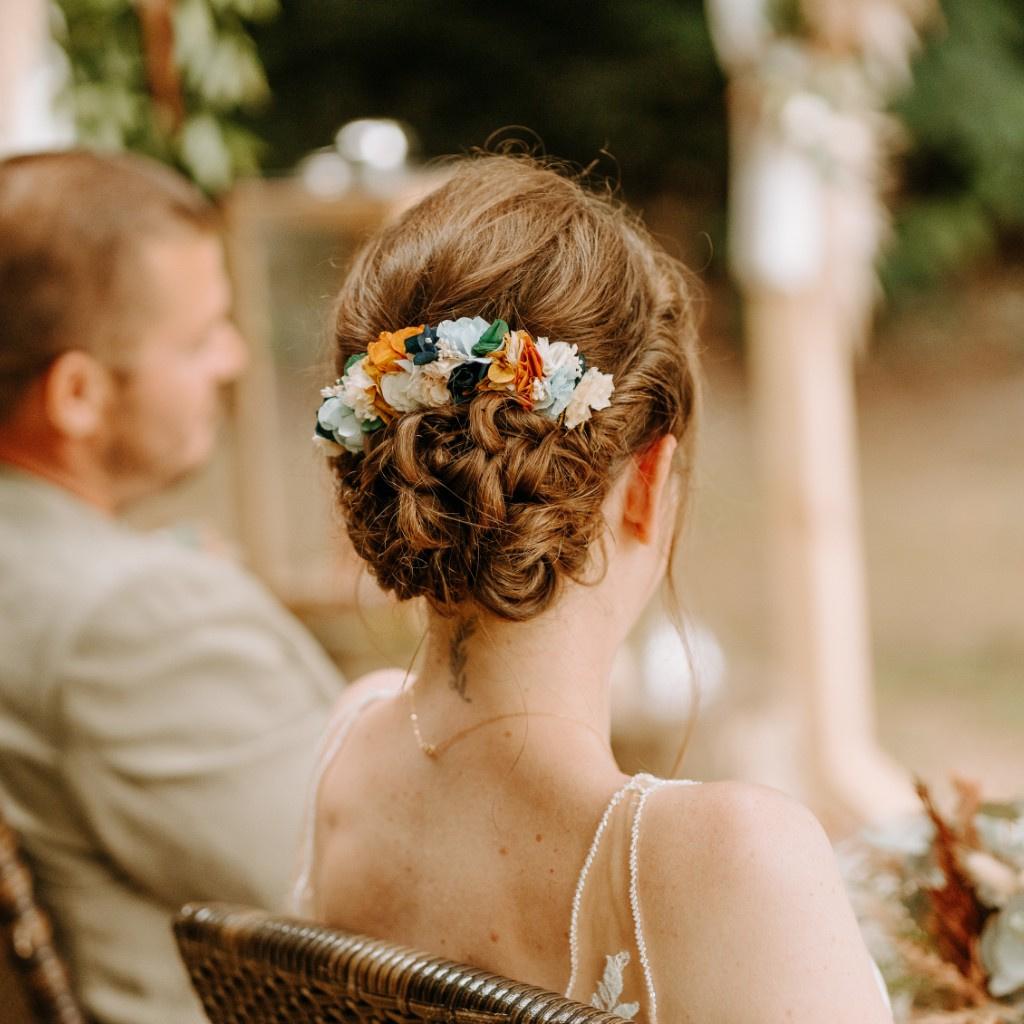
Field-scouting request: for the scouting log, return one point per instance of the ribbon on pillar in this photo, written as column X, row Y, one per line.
column 156, row 20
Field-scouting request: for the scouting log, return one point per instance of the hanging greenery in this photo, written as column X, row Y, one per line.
column 169, row 78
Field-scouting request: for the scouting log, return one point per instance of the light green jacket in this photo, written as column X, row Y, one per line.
column 159, row 714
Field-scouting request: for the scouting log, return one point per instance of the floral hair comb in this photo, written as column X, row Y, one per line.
column 429, row 367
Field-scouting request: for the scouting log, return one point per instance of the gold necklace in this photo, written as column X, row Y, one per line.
column 435, row 750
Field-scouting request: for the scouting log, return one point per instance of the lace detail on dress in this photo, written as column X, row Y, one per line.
column 615, row 873
column 609, row 988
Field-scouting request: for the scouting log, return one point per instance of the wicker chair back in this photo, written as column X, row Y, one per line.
column 253, row 968
column 34, row 986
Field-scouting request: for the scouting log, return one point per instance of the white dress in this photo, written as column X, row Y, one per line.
column 608, row 963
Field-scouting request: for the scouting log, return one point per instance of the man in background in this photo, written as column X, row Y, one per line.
column 159, row 710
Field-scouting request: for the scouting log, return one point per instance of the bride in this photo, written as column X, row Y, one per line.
column 512, row 437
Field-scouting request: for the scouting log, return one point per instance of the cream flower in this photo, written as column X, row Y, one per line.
column 593, row 392
column 429, row 387
column 357, row 391
column 328, row 447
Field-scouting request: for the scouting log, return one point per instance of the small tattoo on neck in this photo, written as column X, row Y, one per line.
column 461, row 632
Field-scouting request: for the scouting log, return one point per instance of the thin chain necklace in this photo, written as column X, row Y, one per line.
column 435, row 750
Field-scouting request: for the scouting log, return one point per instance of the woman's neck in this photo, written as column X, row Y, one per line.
column 556, row 665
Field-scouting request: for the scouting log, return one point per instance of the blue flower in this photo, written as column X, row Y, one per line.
column 462, row 334
column 335, row 420
column 423, row 347
column 1002, row 948
column 563, row 367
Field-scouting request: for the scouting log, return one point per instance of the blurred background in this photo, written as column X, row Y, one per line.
column 845, row 179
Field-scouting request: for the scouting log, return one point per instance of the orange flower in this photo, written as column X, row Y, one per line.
column 529, row 367
column 383, row 410
column 502, row 371
column 515, row 366
column 384, row 353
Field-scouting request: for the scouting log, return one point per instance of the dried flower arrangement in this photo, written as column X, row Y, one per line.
column 941, row 901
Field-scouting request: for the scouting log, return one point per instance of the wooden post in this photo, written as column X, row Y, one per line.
column 801, row 384
column 805, row 223
column 262, row 516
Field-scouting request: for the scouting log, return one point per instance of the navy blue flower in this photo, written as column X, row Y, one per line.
column 464, row 380
column 423, row 346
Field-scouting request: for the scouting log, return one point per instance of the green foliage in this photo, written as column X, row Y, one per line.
column 640, row 81
column 964, row 186
column 220, row 72
column 637, row 79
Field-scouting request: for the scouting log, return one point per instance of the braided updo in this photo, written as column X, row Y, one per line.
column 488, row 503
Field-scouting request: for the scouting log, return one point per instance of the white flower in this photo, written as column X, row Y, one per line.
column 457, row 337
column 338, row 418
column 513, row 342
column 995, row 881
column 558, row 355
column 1002, row 948
column 333, row 391
column 540, row 394
column 357, row 390
column 396, row 388
column 562, row 368
column 594, row 391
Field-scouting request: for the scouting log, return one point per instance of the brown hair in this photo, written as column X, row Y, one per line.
column 71, row 224
column 487, row 502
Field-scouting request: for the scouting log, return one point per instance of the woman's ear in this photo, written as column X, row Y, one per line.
column 648, row 477
column 76, row 394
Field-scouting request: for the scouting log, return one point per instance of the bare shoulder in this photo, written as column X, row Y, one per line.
column 740, row 883
column 732, row 825
column 385, row 682
column 749, row 847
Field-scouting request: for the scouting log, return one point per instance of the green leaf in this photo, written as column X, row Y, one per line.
column 491, row 338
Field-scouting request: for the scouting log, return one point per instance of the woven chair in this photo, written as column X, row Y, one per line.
column 34, row 986
column 253, row 968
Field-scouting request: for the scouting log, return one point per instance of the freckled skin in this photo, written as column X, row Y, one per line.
column 494, row 936
column 539, row 838
column 503, row 851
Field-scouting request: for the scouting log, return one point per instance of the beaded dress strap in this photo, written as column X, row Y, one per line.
column 643, row 784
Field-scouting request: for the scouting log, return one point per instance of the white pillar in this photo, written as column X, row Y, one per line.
column 31, row 69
